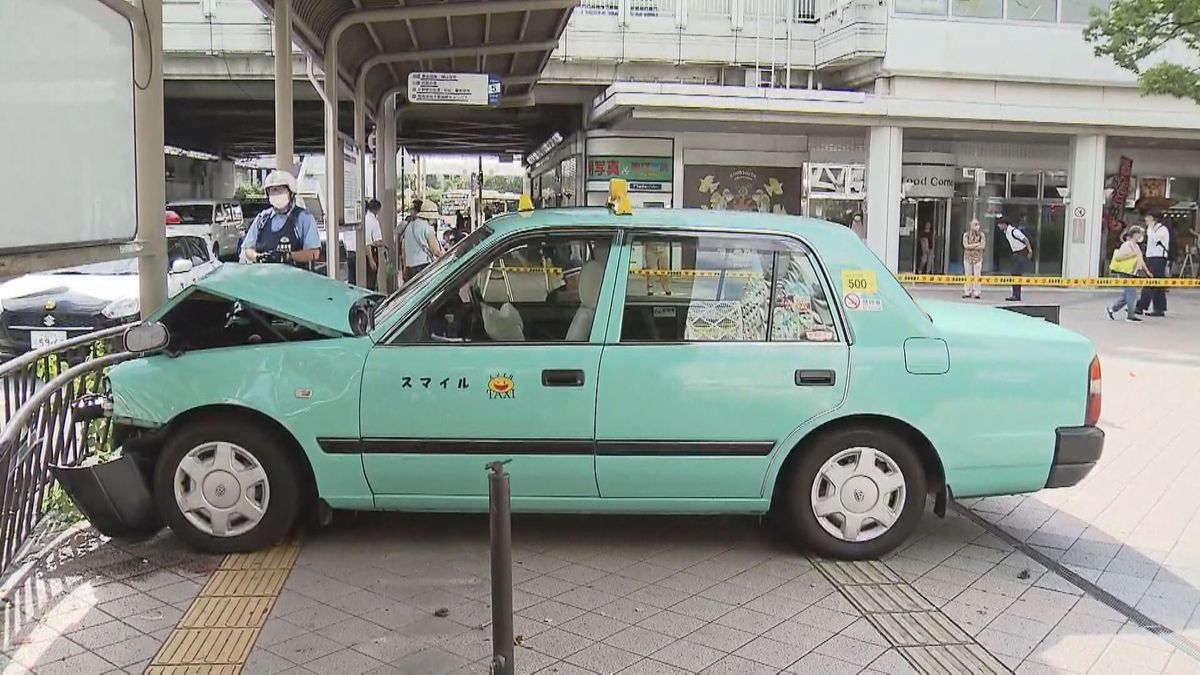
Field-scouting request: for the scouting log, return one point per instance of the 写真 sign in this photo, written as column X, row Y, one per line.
column 632, row 169
column 454, row 88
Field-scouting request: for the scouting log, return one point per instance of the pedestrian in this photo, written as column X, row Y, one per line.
column 374, row 239
column 418, row 241
column 1021, row 250
column 926, row 260
column 1158, row 255
column 460, row 221
column 1127, row 262
column 974, row 241
column 857, row 227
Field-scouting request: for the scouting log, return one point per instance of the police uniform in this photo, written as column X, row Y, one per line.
column 289, row 232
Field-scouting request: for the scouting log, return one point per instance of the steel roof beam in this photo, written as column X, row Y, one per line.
column 333, row 204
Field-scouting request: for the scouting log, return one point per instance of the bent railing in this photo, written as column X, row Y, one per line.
column 40, row 427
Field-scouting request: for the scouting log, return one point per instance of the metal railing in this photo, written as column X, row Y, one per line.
column 40, row 428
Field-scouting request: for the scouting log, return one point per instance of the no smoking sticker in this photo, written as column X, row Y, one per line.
column 855, row 302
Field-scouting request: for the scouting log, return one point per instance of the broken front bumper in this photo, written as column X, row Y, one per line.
column 114, row 496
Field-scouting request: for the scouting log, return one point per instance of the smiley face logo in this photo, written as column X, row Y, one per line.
column 502, row 386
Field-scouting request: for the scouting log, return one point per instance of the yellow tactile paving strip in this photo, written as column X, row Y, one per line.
column 216, row 634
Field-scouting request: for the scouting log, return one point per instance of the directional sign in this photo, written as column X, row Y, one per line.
column 454, row 88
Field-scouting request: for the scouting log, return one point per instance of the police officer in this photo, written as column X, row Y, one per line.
column 284, row 229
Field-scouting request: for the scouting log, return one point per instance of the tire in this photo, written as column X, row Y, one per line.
column 261, row 462
column 216, row 251
column 901, row 498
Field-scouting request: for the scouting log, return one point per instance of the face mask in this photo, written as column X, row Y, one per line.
column 974, row 226
column 280, row 200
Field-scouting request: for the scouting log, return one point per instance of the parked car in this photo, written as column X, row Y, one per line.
column 220, row 220
column 698, row 362
column 39, row 310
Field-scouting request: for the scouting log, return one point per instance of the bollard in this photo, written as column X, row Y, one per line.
column 502, row 608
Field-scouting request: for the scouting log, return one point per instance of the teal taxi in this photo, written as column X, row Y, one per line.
column 657, row 361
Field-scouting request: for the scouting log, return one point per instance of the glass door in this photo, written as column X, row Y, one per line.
column 924, row 240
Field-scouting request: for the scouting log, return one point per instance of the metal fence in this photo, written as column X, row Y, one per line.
column 39, row 426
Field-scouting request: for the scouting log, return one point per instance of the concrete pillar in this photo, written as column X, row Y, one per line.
column 334, row 219
column 360, row 143
column 284, row 146
column 333, row 157
column 885, row 147
column 387, row 170
column 150, row 162
column 1084, row 230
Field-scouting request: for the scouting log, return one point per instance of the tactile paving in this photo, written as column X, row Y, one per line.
column 217, row 633
column 954, row 660
column 924, row 635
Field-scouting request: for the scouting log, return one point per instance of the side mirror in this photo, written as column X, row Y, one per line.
column 146, row 337
column 181, row 266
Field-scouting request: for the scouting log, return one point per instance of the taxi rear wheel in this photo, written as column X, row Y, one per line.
column 227, row 487
column 855, row 494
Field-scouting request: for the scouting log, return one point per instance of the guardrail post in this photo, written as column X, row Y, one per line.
column 501, row 539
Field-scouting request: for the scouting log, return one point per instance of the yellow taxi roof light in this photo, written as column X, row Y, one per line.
column 618, row 197
column 524, row 204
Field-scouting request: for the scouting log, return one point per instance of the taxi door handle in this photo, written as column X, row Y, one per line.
column 562, row 378
column 815, row 378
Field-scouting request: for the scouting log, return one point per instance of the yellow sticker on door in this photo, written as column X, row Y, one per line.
column 502, row 386
column 859, row 281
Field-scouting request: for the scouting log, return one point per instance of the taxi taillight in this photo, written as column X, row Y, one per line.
column 1093, row 397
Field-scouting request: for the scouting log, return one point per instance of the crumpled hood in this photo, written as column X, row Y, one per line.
column 305, row 297
column 41, row 287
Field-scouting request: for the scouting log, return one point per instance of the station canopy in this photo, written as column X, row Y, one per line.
column 511, row 39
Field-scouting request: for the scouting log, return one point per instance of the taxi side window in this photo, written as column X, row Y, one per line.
column 724, row 289
column 538, row 289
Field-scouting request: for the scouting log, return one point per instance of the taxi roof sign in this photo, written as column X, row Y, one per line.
column 524, row 204
column 618, row 197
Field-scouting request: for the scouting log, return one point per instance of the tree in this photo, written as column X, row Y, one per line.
column 1134, row 30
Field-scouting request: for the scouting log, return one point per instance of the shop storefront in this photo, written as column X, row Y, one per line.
column 1128, row 197
column 765, row 189
column 941, row 192
column 834, row 191
column 647, row 164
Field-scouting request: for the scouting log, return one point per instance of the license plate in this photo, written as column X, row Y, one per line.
column 46, row 338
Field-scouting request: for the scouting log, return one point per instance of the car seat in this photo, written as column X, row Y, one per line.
column 591, row 278
column 504, row 324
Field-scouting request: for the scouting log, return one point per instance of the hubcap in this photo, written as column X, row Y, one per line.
column 221, row 489
column 858, row 494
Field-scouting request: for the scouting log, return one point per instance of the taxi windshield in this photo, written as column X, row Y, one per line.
column 397, row 299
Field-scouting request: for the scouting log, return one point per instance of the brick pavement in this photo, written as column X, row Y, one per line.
column 712, row 595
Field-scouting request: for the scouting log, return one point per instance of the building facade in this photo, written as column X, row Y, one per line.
column 918, row 114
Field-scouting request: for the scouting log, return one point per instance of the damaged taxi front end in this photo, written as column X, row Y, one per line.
column 244, row 339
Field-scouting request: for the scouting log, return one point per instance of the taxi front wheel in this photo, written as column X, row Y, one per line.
column 227, row 487
column 855, row 494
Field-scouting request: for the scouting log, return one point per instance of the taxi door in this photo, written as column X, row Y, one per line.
column 502, row 364
column 719, row 347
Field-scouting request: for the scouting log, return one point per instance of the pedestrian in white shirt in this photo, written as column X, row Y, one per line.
column 1022, row 252
column 374, row 238
column 1158, row 254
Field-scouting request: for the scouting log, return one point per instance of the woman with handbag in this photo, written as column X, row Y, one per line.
column 973, row 245
column 1127, row 262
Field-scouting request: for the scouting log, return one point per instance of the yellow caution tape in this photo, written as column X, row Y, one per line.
column 935, row 279
column 1069, row 282
column 640, row 272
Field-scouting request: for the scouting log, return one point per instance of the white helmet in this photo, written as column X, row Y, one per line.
column 277, row 178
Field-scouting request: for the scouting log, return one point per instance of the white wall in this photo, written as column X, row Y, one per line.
column 1000, row 50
